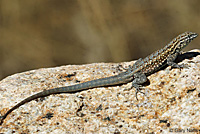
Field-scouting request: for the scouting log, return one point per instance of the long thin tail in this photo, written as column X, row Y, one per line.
column 113, row 80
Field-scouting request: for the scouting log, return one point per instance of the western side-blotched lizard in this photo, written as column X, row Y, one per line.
column 137, row 73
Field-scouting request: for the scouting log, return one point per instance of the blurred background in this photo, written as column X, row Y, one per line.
column 39, row 34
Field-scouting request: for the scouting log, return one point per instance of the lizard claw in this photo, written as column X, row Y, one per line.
column 137, row 91
column 183, row 66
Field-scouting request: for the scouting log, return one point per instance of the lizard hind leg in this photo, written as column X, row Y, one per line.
column 139, row 79
column 130, row 67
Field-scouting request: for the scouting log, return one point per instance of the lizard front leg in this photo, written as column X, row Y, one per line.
column 171, row 59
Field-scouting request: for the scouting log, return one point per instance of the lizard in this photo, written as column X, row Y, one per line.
column 137, row 73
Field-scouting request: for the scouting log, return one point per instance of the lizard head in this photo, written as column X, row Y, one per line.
column 185, row 39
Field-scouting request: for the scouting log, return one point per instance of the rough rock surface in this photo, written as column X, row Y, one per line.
column 171, row 102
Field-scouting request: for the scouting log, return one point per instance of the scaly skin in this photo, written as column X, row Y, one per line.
column 137, row 73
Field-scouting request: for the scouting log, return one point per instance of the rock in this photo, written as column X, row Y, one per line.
column 170, row 104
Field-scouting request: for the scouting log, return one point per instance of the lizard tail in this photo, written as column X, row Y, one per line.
column 113, row 80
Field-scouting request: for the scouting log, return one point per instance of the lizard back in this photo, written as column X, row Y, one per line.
column 158, row 59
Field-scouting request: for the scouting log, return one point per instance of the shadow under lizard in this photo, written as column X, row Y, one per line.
column 137, row 73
